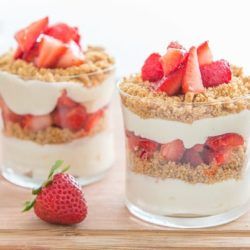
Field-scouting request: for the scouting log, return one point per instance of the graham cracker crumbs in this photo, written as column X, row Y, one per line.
column 159, row 168
column 51, row 135
column 224, row 99
column 98, row 65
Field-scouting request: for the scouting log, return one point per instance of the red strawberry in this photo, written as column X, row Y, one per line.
column 18, row 53
column 172, row 59
column 204, row 54
column 60, row 199
column 63, row 32
column 50, row 50
column 31, row 54
column 36, row 123
column 9, row 115
column 65, row 102
column 152, row 69
column 173, row 151
column 193, row 155
column 133, row 142
column 175, row 45
column 225, row 141
column 216, row 73
column 92, row 120
column 217, row 157
column 192, row 77
column 72, row 57
column 171, row 84
column 27, row 37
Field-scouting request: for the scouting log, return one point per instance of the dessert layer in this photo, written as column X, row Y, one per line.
column 87, row 157
column 162, row 131
column 178, row 198
column 221, row 100
column 159, row 168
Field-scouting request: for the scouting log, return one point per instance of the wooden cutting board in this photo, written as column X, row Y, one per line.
column 108, row 225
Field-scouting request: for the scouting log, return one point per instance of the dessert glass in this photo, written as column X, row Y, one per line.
column 175, row 193
column 37, row 131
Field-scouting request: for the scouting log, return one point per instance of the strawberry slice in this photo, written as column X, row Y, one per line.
column 27, row 37
column 175, row 45
column 65, row 102
column 63, row 32
column 18, row 54
column 36, row 123
column 216, row 157
column 92, row 120
column 204, row 54
column 192, row 77
column 216, row 73
column 152, row 69
column 171, row 84
column 32, row 54
column 172, row 59
column 72, row 57
column 193, row 155
column 50, row 50
column 173, row 151
column 225, row 141
column 10, row 116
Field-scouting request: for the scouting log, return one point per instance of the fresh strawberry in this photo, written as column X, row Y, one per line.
column 72, row 57
column 31, row 54
column 60, row 199
column 216, row 73
column 73, row 119
column 36, row 123
column 50, row 50
column 225, row 141
column 133, row 141
column 172, row 59
column 18, row 54
column 193, row 155
column 65, row 102
column 92, row 120
column 216, row 157
column 173, row 151
column 152, row 69
column 175, row 45
column 204, row 54
column 192, row 77
column 63, row 32
column 171, row 84
column 27, row 37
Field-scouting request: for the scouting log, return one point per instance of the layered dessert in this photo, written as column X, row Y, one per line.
column 55, row 99
column 187, row 123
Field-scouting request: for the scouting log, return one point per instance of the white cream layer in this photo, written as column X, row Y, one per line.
column 163, row 131
column 175, row 197
column 87, row 157
column 38, row 98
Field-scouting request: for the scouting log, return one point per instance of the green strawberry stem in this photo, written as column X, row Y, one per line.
column 54, row 170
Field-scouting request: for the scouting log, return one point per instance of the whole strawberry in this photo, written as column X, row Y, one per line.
column 60, row 200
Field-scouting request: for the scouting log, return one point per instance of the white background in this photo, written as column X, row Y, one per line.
column 131, row 29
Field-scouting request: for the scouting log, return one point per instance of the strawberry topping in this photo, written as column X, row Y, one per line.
column 204, row 54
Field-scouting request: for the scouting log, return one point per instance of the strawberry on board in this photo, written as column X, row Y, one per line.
column 152, row 69
column 204, row 54
column 36, row 123
column 63, row 32
column 50, row 50
column 27, row 37
column 192, row 80
column 60, row 200
column 173, row 151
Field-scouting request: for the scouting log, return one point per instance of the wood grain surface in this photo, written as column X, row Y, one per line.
column 108, row 225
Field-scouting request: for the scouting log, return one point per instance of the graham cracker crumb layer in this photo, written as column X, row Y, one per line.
column 158, row 168
column 224, row 99
column 52, row 135
column 98, row 65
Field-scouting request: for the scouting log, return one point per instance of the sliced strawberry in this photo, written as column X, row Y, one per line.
column 172, row 59
column 175, row 45
column 192, row 77
column 63, row 32
column 31, row 54
column 36, row 123
column 173, row 151
column 133, row 141
column 27, row 37
column 9, row 115
column 18, row 53
column 152, row 69
column 204, row 54
column 216, row 157
column 193, row 155
column 50, row 50
column 65, row 102
column 216, row 73
column 92, row 120
column 171, row 84
column 72, row 57
column 225, row 141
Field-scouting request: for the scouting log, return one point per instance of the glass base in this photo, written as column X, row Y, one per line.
column 194, row 222
column 27, row 182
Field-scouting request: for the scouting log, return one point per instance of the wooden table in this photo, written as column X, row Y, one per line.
column 108, row 225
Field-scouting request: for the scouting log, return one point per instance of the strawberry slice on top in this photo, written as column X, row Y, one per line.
column 27, row 37
column 204, row 54
column 175, row 45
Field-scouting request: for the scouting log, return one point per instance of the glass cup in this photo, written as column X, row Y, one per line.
column 47, row 121
column 187, row 163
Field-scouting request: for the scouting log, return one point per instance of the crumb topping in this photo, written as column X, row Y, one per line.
column 96, row 67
